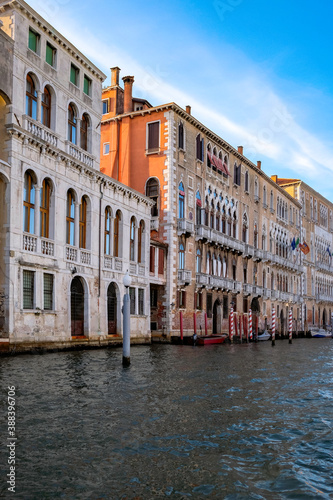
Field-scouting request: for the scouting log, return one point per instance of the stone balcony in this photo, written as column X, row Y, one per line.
column 275, row 294
column 218, row 282
column 77, row 255
column 266, row 293
column 257, row 291
column 324, row 266
column 259, row 255
column 38, row 245
column 79, row 154
column 205, row 233
column 322, row 297
column 184, row 276
column 185, row 226
column 247, row 289
column 40, row 131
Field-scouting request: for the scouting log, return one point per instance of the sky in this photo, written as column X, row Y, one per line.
column 258, row 73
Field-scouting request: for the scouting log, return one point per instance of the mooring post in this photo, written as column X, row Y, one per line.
column 206, row 324
column 273, row 326
column 290, row 326
column 231, row 324
column 126, row 322
column 250, row 324
column 181, row 326
column 195, row 323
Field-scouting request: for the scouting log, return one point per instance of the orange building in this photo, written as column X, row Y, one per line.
column 220, row 229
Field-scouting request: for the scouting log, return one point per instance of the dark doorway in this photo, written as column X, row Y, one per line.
column 217, row 316
column 324, row 318
column 282, row 322
column 112, row 309
column 77, row 308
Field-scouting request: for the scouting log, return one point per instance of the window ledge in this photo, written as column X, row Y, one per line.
column 33, row 52
column 152, row 151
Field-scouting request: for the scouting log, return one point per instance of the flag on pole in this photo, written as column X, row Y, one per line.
column 305, row 248
column 293, row 243
column 328, row 250
column 296, row 243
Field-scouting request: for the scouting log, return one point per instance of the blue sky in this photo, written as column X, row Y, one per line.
column 256, row 72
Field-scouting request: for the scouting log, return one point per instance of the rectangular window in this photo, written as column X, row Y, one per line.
column 199, row 148
column 182, row 299
column 87, row 85
column 74, row 77
column 106, row 148
column 28, row 289
column 152, row 260
column 141, row 301
column 153, row 297
column 48, row 292
column 153, row 137
column 198, row 301
column 105, row 105
column 50, row 54
column 161, row 261
column 132, row 300
column 209, row 305
column 34, row 40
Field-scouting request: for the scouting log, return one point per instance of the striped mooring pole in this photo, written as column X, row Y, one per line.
column 231, row 329
column 250, row 324
column 290, row 325
column 273, row 326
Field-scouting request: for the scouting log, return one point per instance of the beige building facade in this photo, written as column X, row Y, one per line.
column 68, row 233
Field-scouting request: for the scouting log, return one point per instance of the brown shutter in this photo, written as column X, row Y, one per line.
column 161, row 261
column 152, row 260
column 153, row 136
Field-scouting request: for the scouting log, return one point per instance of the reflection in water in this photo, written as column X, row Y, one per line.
column 234, row 422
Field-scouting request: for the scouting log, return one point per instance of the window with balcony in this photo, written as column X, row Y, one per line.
column 84, row 125
column 29, row 193
column 107, row 231
column 198, row 207
column 116, row 234
column 31, row 97
column 83, row 222
column 141, row 242
column 70, row 218
column 181, row 201
column 152, row 191
column 72, row 124
column 198, row 261
column 46, row 108
column 132, row 238
column 181, row 256
column 45, row 196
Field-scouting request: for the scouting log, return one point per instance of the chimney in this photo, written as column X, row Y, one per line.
column 274, row 178
column 240, row 149
column 115, row 76
column 259, row 164
column 128, row 85
column 188, row 109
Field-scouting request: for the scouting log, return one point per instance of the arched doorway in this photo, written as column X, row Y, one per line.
column 112, row 309
column 255, row 308
column 282, row 322
column 324, row 318
column 77, row 307
column 217, row 317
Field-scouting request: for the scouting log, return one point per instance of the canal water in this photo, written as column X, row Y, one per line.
column 225, row 422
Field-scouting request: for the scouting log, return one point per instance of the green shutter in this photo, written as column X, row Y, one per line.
column 86, row 85
column 73, row 74
column 49, row 54
column 32, row 41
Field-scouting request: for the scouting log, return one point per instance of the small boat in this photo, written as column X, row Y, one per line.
column 211, row 339
column 264, row 336
column 320, row 333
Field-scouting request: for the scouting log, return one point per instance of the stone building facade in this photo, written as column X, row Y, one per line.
column 226, row 225
column 317, row 233
column 68, row 232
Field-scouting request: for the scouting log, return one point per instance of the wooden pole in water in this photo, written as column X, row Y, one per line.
column 181, row 326
column 290, row 326
column 231, row 324
column 273, row 326
column 250, row 324
column 195, row 323
column 206, row 324
column 246, row 327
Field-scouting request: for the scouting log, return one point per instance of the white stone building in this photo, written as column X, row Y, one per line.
column 68, row 233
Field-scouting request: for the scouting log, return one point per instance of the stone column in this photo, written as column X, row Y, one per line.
column 39, row 105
